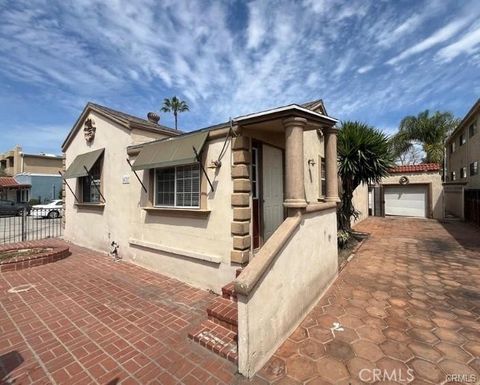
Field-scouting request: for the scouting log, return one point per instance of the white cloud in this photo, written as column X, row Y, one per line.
column 469, row 43
column 441, row 35
column 365, row 69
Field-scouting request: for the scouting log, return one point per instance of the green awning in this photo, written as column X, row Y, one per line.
column 170, row 152
column 77, row 168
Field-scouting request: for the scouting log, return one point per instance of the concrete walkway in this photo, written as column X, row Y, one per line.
column 405, row 309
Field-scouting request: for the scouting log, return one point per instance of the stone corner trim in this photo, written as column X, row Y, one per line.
column 240, row 227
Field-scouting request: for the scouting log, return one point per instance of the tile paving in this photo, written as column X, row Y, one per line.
column 409, row 300
column 89, row 320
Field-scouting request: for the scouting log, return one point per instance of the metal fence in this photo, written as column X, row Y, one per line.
column 31, row 224
column 472, row 206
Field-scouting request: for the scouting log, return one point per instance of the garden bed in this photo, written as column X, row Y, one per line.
column 346, row 253
column 21, row 256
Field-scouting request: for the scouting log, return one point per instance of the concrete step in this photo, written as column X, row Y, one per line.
column 217, row 339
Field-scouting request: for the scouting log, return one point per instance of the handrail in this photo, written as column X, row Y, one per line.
column 251, row 274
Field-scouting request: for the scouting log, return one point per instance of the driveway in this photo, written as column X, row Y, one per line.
column 405, row 309
column 89, row 320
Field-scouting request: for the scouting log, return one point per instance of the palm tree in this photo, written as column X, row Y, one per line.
column 429, row 131
column 174, row 105
column 364, row 156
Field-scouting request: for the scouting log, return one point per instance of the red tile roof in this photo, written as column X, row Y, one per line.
column 8, row 181
column 425, row 167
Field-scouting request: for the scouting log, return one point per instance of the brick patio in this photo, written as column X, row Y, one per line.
column 410, row 299
column 89, row 320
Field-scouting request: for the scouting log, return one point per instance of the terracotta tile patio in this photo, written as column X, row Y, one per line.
column 410, row 299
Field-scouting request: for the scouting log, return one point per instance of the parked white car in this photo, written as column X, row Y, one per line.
column 49, row 210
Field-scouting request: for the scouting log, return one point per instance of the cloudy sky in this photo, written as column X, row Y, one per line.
column 374, row 61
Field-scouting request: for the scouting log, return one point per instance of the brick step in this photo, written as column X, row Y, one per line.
column 228, row 292
column 217, row 339
column 224, row 312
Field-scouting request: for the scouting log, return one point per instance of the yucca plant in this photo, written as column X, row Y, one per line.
column 364, row 156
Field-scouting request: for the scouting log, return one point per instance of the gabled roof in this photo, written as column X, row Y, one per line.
column 126, row 120
column 10, row 182
column 315, row 105
column 475, row 109
column 425, row 167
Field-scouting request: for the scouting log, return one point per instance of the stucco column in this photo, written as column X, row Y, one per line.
column 294, row 177
column 331, row 164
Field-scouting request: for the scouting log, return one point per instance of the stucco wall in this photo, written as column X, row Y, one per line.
column 41, row 165
column 289, row 288
column 124, row 220
column 95, row 227
column 208, row 235
column 433, row 179
column 360, row 202
column 454, row 200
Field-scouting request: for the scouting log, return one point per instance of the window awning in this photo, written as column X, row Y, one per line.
column 82, row 161
column 170, row 152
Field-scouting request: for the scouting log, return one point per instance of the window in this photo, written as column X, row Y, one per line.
column 323, row 177
column 254, row 172
column 91, row 184
column 472, row 130
column 452, row 147
column 462, row 140
column 453, row 176
column 178, row 186
column 473, row 168
column 463, row 172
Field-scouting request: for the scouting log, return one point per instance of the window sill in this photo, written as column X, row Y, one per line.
column 99, row 206
column 184, row 212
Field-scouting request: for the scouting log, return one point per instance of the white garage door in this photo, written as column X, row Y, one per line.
column 408, row 201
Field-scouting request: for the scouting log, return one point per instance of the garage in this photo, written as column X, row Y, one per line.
column 410, row 201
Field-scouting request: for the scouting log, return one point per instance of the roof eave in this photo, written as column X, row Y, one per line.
column 285, row 111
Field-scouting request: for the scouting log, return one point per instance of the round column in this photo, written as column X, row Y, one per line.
column 331, row 164
column 294, row 159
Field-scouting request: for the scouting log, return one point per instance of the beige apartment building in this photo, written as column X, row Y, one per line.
column 462, row 161
column 37, row 174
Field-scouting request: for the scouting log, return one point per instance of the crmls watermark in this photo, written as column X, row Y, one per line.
column 465, row 378
column 398, row 375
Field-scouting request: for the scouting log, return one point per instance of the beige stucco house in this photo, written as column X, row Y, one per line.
column 258, row 193
column 410, row 190
column 463, row 158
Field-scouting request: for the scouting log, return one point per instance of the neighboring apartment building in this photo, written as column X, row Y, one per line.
column 463, row 159
column 39, row 171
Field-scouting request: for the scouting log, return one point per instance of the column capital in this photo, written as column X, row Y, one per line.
column 330, row 130
column 294, row 121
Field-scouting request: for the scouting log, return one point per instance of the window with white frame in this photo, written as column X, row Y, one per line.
column 178, row 186
column 463, row 172
column 462, row 140
column 453, row 176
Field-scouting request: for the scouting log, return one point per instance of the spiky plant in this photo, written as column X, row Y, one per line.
column 364, row 156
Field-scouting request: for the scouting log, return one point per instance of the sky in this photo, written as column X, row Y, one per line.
column 373, row 61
